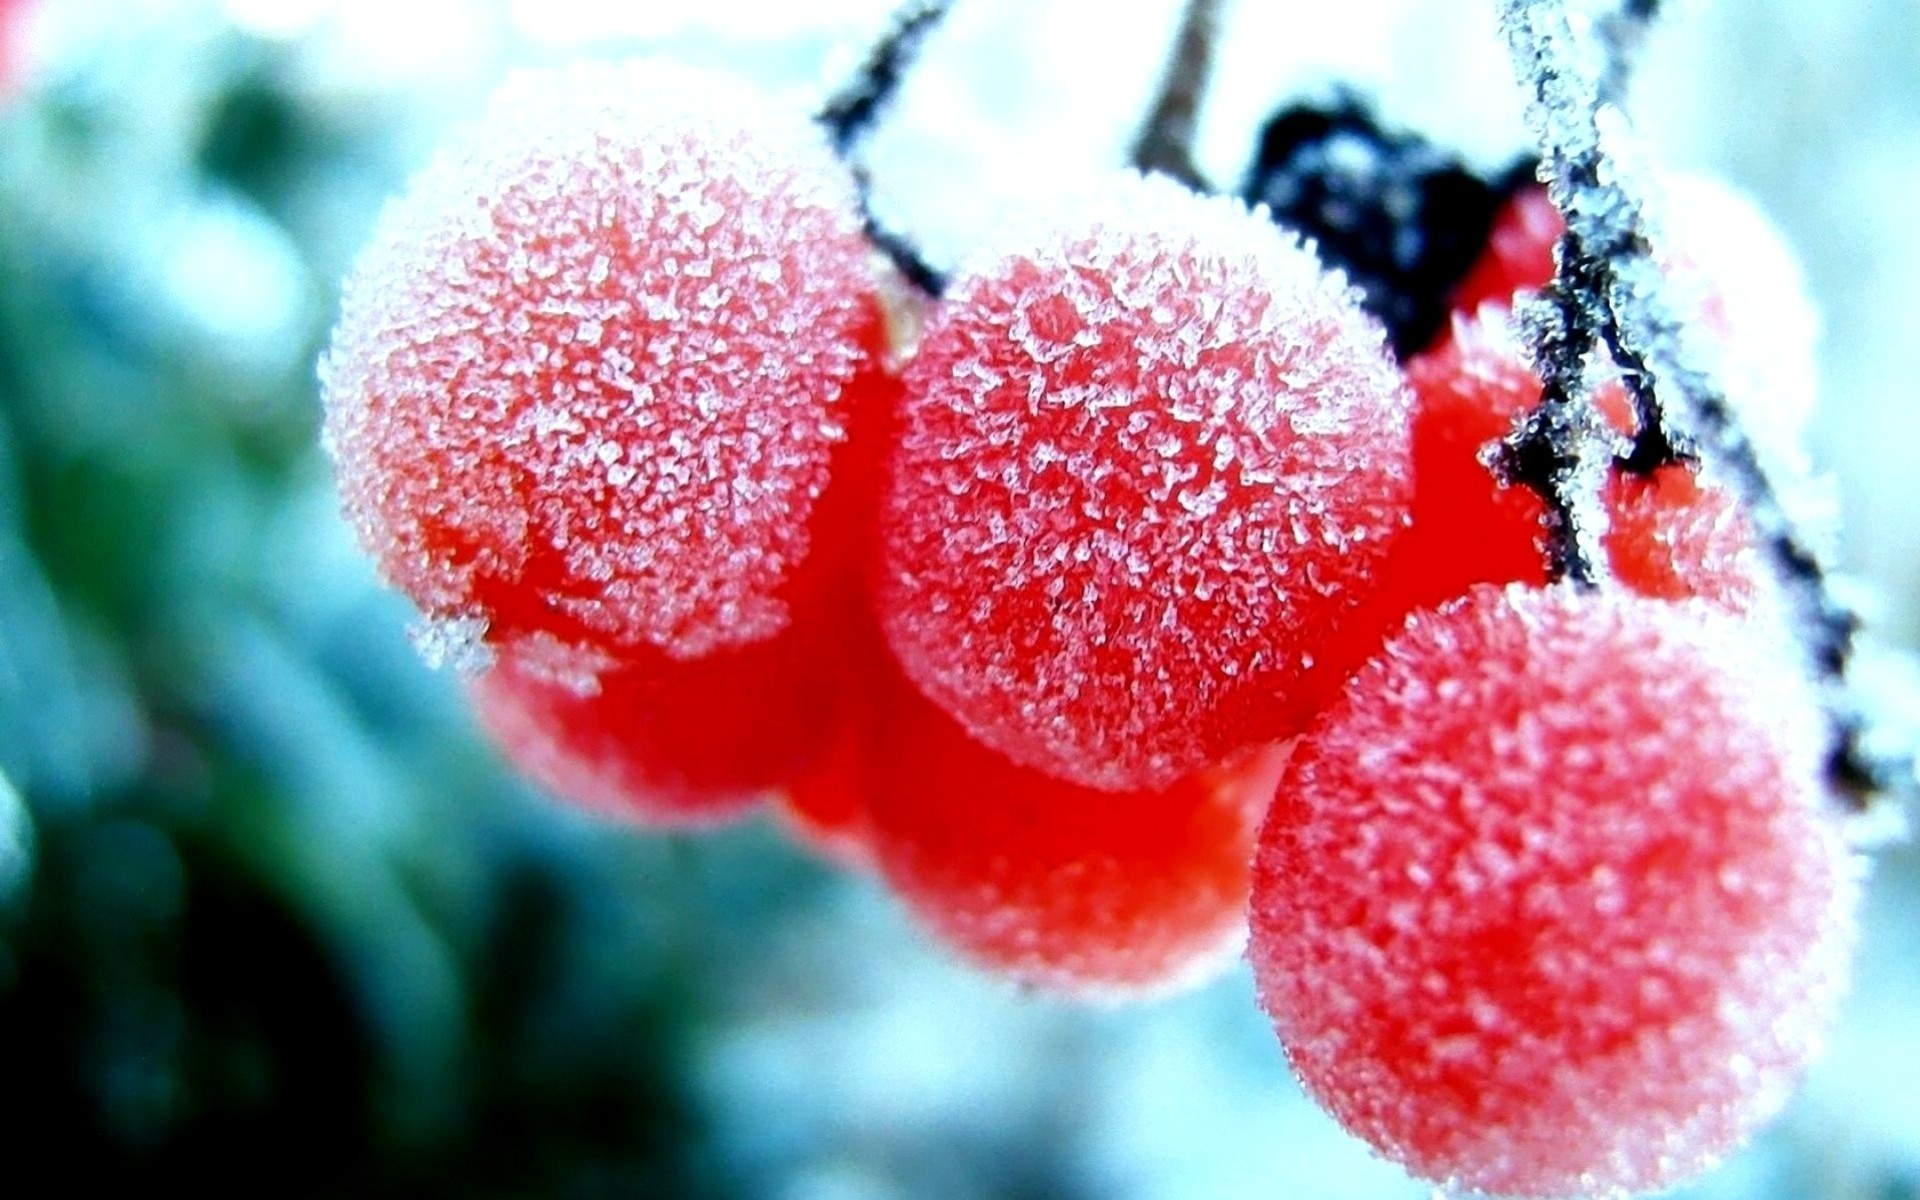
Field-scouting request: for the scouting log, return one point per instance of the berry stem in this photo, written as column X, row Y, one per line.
column 1165, row 143
column 852, row 111
column 1574, row 58
column 857, row 105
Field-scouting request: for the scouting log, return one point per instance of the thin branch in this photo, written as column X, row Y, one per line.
column 1165, row 143
column 852, row 111
column 854, row 108
column 1560, row 449
column 1607, row 284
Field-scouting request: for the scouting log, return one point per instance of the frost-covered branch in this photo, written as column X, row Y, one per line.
column 1573, row 56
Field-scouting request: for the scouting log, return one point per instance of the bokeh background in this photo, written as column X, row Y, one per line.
column 272, row 915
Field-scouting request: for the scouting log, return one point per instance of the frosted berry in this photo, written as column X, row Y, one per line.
column 1674, row 537
column 589, row 375
column 1468, row 527
column 1742, row 283
column 1060, row 887
column 1149, row 454
column 1550, row 903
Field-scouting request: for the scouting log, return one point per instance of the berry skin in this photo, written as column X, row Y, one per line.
column 1518, row 255
column 686, row 745
column 825, row 806
column 1673, row 537
column 589, row 376
column 1079, row 892
column 1549, row 904
column 1468, row 528
column 1149, row 455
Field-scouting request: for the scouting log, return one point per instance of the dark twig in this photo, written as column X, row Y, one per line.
column 1165, row 143
column 854, row 108
column 1607, row 285
column 852, row 111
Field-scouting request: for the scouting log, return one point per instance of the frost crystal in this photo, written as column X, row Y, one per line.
column 458, row 643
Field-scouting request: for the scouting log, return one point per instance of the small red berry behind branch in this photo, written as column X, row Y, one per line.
column 589, row 377
column 1150, row 456
column 1670, row 535
column 1552, row 903
column 1518, row 256
column 1732, row 274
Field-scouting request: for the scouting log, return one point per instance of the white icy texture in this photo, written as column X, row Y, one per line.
column 454, row 642
column 597, row 353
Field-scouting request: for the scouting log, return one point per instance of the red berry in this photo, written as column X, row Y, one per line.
column 1548, row 903
column 826, row 806
column 590, row 373
column 1468, row 527
column 1671, row 536
column 1150, row 453
column 687, row 744
column 1056, row 886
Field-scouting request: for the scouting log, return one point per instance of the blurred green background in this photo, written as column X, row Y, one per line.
column 274, row 918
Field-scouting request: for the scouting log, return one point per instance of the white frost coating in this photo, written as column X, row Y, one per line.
column 593, row 361
column 1150, row 450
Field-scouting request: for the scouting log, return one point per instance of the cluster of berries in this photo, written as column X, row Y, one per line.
column 1129, row 588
